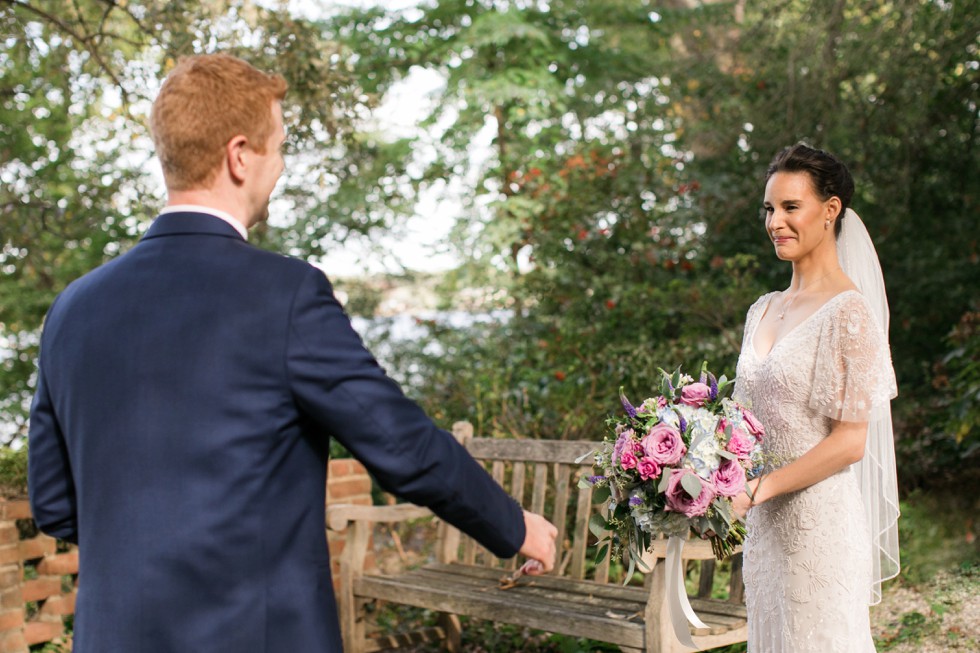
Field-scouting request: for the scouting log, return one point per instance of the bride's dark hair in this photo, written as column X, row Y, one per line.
column 828, row 174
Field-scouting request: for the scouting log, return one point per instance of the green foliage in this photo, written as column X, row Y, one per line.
column 13, row 472
column 76, row 81
column 617, row 210
column 937, row 532
column 940, row 444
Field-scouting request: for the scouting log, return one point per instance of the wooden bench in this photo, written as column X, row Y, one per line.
column 577, row 598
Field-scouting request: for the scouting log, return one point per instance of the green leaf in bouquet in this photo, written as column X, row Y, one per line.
column 601, row 553
column 692, row 485
column 727, row 455
column 664, row 481
column 598, row 526
column 723, row 509
column 579, row 460
column 675, row 378
column 719, row 526
column 601, row 494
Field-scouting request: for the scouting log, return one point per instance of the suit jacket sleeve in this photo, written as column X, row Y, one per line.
column 49, row 477
column 338, row 383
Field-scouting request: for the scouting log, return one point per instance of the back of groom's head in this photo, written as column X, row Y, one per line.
column 206, row 101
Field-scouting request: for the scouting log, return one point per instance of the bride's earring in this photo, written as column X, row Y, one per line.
column 826, row 225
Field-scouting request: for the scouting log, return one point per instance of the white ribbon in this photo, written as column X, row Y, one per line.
column 678, row 606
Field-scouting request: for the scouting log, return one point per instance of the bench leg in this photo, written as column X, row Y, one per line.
column 454, row 631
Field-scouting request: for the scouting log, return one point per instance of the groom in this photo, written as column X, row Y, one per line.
column 186, row 395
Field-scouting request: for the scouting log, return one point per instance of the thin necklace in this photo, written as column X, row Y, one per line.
column 789, row 302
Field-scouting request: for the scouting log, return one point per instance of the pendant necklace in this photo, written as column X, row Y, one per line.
column 789, row 302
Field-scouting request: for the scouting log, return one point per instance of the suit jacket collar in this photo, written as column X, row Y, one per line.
column 190, row 223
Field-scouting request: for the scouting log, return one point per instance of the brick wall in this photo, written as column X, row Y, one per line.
column 39, row 576
column 347, row 482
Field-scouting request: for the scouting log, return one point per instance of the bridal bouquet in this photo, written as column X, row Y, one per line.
column 672, row 465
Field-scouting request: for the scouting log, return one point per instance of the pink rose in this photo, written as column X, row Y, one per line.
column 662, row 402
column 628, row 460
column 741, row 443
column 663, row 444
column 678, row 500
column 648, row 468
column 754, row 425
column 729, row 478
column 695, row 394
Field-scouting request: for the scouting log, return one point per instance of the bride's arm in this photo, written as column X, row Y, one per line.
column 842, row 447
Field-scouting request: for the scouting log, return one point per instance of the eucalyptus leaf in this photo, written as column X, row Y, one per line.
column 598, row 525
column 692, row 485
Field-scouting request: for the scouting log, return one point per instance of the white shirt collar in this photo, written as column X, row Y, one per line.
column 218, row 213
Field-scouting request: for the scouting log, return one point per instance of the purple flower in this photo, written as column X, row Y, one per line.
column 623, row 443
column 626, row 404
column 683, row 423
column 713, row 385
column 678, row 500
column 663, row 444
column 729, row 478
column 648, row 468
column 695, row 394
column 595, row 479
column 628, row 460
column 636, row 501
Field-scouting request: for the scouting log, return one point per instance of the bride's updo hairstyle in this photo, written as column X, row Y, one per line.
column 828, row 175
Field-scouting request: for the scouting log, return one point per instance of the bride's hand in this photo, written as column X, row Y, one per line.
column 741, row 505
column 745, row 500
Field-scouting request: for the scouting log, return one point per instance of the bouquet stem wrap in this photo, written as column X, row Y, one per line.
column 679, row 608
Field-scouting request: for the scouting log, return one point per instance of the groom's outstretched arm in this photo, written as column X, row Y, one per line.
column 339, row 384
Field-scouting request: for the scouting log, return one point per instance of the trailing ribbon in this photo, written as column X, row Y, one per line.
column 678, row 606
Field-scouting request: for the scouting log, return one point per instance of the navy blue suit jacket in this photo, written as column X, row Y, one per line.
column 186, row 395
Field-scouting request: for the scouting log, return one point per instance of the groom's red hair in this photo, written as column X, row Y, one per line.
column 206, row 101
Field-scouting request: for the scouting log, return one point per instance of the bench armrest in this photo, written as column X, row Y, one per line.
column 341, row 514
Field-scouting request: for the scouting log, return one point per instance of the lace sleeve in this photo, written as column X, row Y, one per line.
column 853, row 373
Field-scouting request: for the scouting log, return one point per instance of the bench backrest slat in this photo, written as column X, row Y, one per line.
column 515, row 464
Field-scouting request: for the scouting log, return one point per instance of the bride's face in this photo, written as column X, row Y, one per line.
column 796, row 218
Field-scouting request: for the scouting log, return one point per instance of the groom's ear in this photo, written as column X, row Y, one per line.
column 236, row 157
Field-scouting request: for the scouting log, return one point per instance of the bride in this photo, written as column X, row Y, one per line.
column 816, row 369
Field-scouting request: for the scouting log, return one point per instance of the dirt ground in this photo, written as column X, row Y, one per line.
column 938, row 616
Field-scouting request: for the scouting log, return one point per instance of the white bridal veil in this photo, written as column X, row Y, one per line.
column 876, row 471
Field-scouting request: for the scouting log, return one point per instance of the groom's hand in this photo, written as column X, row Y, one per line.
column 539, row 543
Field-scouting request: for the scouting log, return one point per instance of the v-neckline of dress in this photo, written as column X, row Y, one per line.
column 772, row 348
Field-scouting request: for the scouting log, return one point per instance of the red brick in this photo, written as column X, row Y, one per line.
column 348, row 487
column 15, row 509
column 8, row 533
column 59, row 605
column 13, row 642
column 340, row 467
column 11, row 619
column 41, row 588
column 12, row 597
column 10, row 575
column 36, row 632
column 37, row 547
column 9, row 553
column 59, row 565
column 337, row 547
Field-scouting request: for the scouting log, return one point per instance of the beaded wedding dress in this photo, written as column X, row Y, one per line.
column 808, row 554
